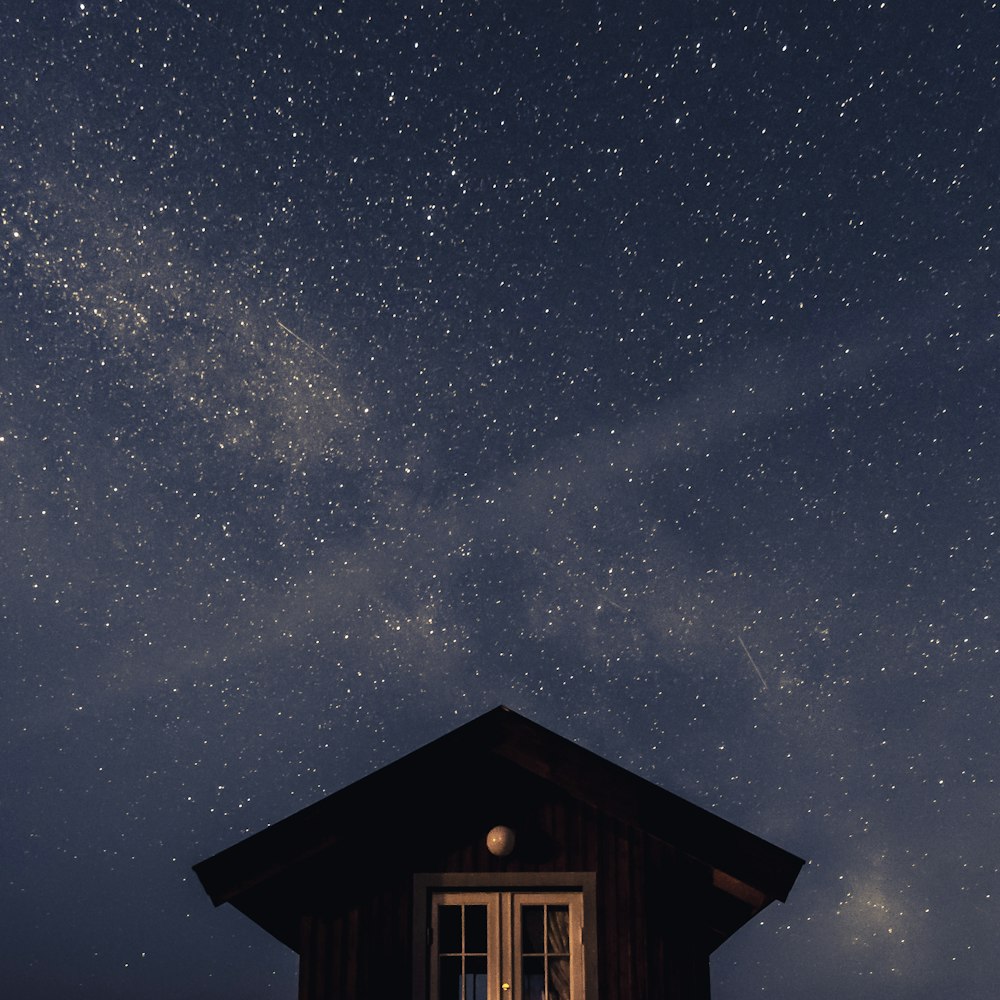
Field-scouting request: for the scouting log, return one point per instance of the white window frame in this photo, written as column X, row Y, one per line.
column 503, row 894
column 491, row 900
column 512, row 967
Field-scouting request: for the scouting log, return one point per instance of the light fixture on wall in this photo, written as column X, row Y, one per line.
column 500, row 841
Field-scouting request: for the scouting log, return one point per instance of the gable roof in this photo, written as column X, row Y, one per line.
column 745, row 868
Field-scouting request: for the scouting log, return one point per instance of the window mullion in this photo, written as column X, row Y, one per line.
column 505, row 926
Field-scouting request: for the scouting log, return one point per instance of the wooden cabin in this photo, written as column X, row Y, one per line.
column 501, row 862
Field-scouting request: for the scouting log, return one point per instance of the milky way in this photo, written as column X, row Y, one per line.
column 364, row 366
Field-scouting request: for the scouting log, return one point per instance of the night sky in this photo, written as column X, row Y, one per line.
column 365, row 365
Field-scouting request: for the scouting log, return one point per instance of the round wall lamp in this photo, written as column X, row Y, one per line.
column 500, row 841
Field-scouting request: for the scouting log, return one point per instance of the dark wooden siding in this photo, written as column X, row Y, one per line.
column 360, row 950
column 356, row 940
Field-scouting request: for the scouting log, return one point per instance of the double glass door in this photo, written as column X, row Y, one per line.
column 506, row 946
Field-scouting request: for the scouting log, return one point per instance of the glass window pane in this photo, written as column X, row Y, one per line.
column 450, row 979
column 533, row 977
column 450, row 928
column 532, row 930
column 475, row 978
column 557, row 924
column 558, row 979
column 475, row 929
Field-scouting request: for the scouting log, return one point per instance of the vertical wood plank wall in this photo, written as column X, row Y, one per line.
column 361, row 949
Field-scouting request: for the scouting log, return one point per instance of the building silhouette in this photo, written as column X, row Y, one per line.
column 501, row 862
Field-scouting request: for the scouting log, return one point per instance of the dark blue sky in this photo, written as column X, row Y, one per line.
column 364, row 366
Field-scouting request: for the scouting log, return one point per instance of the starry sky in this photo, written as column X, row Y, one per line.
column 366, row 365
